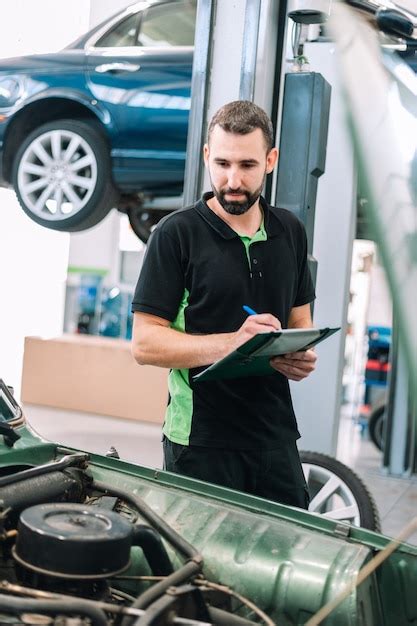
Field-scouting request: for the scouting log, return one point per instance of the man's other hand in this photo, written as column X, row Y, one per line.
column 295, row 366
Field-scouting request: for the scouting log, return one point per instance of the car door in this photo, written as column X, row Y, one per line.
column 140, row 73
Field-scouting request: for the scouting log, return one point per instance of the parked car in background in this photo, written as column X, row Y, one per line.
column 103, row 121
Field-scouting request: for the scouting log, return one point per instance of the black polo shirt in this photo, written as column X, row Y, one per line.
column 197, row 273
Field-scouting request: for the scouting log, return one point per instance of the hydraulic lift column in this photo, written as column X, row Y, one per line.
column 232, row 39
column 240, row 54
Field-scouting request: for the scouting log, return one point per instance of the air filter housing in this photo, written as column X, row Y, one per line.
column 73, row 541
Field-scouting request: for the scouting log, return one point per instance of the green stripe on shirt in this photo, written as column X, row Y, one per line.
column 179, row 413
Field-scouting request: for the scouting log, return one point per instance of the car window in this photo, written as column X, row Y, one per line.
column 169, row 25
column 121, row 35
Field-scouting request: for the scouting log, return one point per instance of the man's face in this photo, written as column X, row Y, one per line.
column 237, row 166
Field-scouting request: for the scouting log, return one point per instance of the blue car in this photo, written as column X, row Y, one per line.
column 102, row 122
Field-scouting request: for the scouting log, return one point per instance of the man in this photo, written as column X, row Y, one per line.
column 202, row 265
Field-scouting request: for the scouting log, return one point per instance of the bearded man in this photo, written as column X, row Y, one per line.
column 202, row 265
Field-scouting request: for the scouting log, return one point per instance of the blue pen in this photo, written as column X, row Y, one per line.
column 248, row 310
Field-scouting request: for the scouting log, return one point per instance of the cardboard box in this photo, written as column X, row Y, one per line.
column 92, row 374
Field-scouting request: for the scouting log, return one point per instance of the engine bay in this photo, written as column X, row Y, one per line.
column 92, row 540
column 67, row 541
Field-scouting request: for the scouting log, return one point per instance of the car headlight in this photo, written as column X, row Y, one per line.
column 9, row 91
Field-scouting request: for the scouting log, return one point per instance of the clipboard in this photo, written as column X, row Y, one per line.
column 252, row 358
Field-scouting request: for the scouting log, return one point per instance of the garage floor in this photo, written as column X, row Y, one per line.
column 396, row 498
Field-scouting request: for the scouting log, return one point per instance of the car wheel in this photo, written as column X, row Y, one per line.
column 376, row 426
column 62, row 175
column 143, row 221
column 337, row 493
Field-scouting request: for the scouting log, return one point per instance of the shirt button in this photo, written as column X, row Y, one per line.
column 254, row 261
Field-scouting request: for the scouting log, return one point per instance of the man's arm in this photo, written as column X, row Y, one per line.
column 297, row 365
column 300, row 317
column 155, row 343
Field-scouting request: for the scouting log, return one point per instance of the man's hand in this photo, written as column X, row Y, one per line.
column 253, row 325
column 295, row 366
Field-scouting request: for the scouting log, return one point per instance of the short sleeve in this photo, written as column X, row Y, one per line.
column 160, row 285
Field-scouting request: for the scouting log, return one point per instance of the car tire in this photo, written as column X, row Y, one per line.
column 143, row 220
column 337, row 493
column 62, row 175
column 376, row 426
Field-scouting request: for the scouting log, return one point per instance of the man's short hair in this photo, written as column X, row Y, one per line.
column 242, row 117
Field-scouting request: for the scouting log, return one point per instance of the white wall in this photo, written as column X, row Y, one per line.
column 33, row 260
column 101, row 9
column 97, row 247
column 29, row 27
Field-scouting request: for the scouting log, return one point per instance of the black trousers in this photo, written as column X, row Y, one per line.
column 276, row 474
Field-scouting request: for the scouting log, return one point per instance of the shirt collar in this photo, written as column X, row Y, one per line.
column 272, row 223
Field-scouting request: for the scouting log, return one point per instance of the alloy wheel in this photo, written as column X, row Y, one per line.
column 330, row 496
column 57, row 174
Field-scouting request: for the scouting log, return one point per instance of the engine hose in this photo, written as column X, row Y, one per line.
column 154, row 550
column 224, row 618
column 182, row 575
column 166, row 604
column 70, row 460
column 178, row 542
column 17, row 606
column 52, row 487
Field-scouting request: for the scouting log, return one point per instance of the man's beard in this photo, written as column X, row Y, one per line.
column 237, row 207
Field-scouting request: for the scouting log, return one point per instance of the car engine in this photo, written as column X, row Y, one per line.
column 67, row 540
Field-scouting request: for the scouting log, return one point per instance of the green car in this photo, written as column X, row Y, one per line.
column 90, row 539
